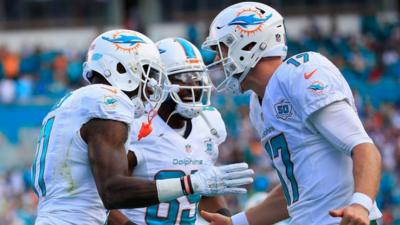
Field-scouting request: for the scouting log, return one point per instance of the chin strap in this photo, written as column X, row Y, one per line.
column 170, row 115
column 146, row 128
column 213, row 131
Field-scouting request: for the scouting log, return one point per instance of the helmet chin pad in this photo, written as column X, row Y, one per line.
column 188, row 112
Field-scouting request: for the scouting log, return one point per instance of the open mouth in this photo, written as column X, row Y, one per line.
column 187, row 99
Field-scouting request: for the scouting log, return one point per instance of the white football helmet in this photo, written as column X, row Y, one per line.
column 127, row 60
column 185, row 72
column 249, row 31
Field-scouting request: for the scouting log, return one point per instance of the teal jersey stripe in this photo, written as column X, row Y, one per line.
column 45, row 136
column 281, row 142
column 59, row 103
column 187, row 48
column 33, row 175
column 285, row 188
column 276, row 145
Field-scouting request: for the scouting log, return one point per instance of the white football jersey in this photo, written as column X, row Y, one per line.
column 166, row 154
column 314, row 175
column 61, row 171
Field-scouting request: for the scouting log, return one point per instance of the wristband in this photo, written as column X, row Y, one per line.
column 240, row 219
column 363, row 200
column 169, row 189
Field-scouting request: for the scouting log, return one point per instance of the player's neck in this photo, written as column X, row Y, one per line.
column 258, row 78
column 175, row 121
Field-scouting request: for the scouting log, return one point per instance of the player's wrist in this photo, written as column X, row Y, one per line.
column 169, row 189
column 362, row 200
column 239, row 219
column 186, row 185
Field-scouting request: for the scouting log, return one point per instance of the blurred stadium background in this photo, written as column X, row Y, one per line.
column 43, row 44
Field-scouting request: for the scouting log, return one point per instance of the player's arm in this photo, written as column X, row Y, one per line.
column 341, row 126
column 117, row 189
column 115, row 217
column 106, row 145
column 271, row 210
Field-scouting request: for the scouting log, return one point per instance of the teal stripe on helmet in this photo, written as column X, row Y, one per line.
column 189, row 51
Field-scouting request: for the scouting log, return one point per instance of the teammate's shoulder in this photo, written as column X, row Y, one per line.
column 97, row 90
column 211, row 112
column 213, row 119
column 106, row 94
column 105, row 102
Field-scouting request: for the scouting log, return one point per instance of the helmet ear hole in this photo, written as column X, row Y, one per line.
column 249, row 46
column 120, row 68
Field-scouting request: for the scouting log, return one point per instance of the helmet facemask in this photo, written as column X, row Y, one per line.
column 191, row 91
column 151, row 86
column 130, row 61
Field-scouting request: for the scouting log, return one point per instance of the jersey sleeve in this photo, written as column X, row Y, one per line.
column 216, row 122
column 318, row 85
column 106, row 102
column 340, row 125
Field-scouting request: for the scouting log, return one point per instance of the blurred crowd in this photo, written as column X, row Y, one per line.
column 370, row 62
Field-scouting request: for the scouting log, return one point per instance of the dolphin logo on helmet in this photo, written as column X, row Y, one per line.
column 248, row 20
column 125, row 39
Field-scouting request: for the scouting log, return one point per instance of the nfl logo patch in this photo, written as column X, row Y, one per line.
column 188, row 148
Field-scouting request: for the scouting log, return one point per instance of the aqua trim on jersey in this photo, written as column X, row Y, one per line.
column 44, row 139
column 33, row 175
column 59, row 103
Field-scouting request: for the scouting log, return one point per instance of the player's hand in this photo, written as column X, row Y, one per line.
column 352, row 215
column 215, row 218
column 211, row 180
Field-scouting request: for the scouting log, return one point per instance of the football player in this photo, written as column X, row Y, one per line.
column 185, row 137
column 80, row 167
column 328, row 166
